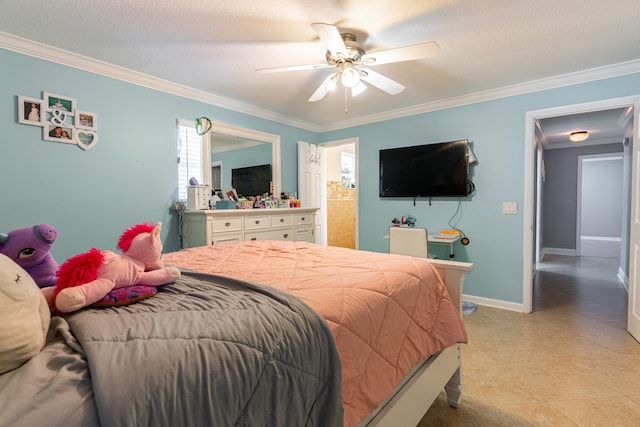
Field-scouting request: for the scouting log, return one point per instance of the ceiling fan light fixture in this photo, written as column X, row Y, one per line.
column 579, row 136
column 349, row 76
column 333, row 81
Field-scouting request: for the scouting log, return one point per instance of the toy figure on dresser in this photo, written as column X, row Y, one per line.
column 30, row 248
column 110, row 279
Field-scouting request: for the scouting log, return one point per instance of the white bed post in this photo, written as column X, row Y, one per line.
column 452, row 272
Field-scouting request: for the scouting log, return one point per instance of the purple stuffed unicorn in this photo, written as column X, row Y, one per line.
column 30, row 247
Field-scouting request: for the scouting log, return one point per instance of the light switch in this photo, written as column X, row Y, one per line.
column 509, row 208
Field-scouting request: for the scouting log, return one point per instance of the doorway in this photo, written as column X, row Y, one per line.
column 341, row 195
column 599, row 210
column 328, row 174
column 531, row 212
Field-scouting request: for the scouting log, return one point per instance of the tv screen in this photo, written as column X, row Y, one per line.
column 432, row 170
column 251, row 180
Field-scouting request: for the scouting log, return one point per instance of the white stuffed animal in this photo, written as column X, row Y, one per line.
column 24, row 316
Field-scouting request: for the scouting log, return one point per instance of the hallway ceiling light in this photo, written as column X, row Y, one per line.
column 579, row 136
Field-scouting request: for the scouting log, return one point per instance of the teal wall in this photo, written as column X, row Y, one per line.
column 130, row 175
column 496, row 130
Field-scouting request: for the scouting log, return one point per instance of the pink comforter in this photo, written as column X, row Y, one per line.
column 387, row 312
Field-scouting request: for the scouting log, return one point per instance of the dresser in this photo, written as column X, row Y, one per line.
column 215, row 227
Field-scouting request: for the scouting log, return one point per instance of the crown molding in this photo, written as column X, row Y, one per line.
column 60, row 56
column 64, row 57
column 578, row 77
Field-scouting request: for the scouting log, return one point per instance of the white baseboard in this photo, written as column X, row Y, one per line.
column 495, row 303
column 557, row 251
column 623, row 278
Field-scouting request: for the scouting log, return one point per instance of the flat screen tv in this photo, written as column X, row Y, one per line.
column 432, row 170
column 251, row 180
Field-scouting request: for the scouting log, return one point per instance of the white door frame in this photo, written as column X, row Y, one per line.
column 529, row 167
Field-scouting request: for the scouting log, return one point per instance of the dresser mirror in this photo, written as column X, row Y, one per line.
column 227, row 147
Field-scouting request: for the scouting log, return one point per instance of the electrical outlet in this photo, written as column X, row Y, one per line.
column 509, row 208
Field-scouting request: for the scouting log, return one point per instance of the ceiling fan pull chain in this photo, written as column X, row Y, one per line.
column 346, row 109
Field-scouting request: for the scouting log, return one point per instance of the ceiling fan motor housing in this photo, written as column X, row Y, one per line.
column 354, row 50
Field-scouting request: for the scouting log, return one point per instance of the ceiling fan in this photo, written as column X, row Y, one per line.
column 350, row 59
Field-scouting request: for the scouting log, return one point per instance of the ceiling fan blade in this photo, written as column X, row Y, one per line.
column 401, row 54
column 323, row 89
column 381, row 82
column 292, row 68
column 331, row 37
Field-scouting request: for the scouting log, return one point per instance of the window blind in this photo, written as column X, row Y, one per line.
column 189, row 159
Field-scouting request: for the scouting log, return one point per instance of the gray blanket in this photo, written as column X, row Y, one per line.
column 209, row 351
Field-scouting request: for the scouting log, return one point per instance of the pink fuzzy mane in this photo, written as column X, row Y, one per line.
column 127, row 237
column 79, row 269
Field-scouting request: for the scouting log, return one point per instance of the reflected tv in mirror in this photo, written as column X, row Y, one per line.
column 431, row 170
column 251, row 180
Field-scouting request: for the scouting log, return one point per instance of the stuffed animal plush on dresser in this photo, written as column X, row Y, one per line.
column 24, row 316
column 87, row 278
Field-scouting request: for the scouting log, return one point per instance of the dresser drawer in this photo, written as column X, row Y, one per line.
column 281, row 221
column 256, row 222
column 226, row 224
column 303, row 219
column 280, row 234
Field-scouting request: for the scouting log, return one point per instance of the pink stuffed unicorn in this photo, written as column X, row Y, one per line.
column 86, row 278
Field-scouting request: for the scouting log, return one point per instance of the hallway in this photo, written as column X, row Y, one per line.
column 585, row 286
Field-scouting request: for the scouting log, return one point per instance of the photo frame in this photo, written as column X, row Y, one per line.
column 85, row 139
column 54, row 102
column 229, row 194
column 86, row 120
column 58, row 133
column 31, row 111
column 60, row 120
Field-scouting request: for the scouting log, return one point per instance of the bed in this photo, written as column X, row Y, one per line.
column 287, row 349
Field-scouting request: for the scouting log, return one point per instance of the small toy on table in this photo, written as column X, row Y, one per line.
column 90, row 278
column 404, row 221
column 24, row 316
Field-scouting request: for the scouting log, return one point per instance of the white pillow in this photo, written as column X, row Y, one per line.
column 24, row 316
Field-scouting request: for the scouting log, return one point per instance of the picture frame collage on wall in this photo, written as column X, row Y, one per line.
column 60, row 120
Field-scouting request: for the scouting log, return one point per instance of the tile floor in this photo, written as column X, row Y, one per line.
column 569, row 363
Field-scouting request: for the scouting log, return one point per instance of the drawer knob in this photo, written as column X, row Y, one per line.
column 302, row 219
column 281, row 219
column 286, row 235
column 226, row 224
column 257, row 221
column 254, row 238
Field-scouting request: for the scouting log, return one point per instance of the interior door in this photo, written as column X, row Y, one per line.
column 633, row 317
column 312, row 185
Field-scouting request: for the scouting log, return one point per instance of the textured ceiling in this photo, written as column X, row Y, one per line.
column 216, row 46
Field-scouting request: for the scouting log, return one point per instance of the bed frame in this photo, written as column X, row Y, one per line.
column 412, row 399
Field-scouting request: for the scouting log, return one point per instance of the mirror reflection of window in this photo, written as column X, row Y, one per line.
column 216, row 175
column 348, row 170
